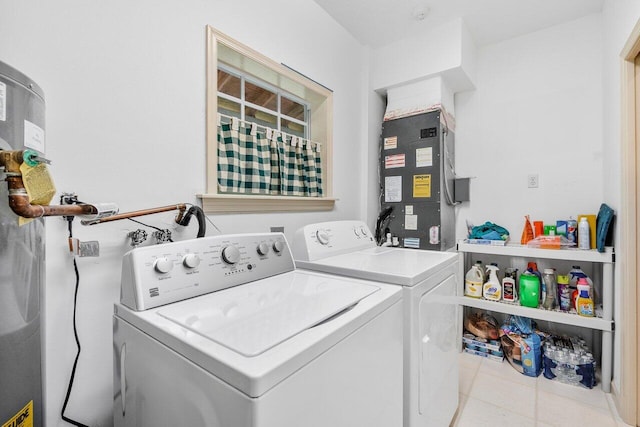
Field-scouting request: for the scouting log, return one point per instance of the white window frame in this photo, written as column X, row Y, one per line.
column 246, row 78
column 320, row 126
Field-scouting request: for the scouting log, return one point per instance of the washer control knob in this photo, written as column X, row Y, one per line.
column 356, row 231
column 263, row 249
column 163, row 265
column 323, row 237
column 231, row 255
column 363, row 231
column 278, row 246
column 191, row 260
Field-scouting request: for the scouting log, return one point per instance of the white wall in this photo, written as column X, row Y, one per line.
column 438, row 51
column 374, row 114
column 125, row 90
column 537, row 109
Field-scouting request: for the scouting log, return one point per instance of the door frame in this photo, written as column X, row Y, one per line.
column 626, row 396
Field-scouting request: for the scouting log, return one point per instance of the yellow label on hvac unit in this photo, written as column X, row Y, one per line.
column 422, row 185
column 24, row 418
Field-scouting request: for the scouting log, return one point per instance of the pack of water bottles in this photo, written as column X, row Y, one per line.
column 568, row 360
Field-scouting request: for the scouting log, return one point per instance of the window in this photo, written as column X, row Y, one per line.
column 244, row 88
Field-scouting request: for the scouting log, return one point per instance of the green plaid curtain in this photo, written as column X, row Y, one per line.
column 252, row 163
column 244, row 160
column 276, row 175
column 312, row 171
column 292, row 167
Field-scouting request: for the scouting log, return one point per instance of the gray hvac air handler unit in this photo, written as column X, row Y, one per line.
column 417, row 181
column 21, row 264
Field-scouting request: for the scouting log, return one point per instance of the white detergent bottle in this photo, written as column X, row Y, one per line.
column 474, row 280
column 492, row 289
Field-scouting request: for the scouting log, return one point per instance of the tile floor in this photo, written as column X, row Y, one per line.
column 494, row 394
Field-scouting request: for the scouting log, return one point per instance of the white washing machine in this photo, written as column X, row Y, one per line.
column 224, row 331
column 431, row 330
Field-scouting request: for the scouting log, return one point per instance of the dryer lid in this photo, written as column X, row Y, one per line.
column 252, row 319
column 399, row 266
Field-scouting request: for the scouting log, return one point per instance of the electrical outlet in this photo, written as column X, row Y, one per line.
column 532, row 180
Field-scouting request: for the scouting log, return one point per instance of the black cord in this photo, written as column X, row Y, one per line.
column 200, row 216
column 75, row 333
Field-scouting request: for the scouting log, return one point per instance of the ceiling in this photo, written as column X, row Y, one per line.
column 378, row 22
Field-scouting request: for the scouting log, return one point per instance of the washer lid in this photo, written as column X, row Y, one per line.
column 252, row 319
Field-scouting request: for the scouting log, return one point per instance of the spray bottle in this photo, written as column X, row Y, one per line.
column 584, row 302
column 492, row 289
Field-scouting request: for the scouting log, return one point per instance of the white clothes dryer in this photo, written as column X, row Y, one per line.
column 432, row 330
column 224, row 332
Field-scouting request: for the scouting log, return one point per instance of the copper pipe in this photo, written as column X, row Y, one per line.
column 19, row 199
column 181, row 207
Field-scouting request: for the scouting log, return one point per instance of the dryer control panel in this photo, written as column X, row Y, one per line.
column 321, row 240
column 156, row 275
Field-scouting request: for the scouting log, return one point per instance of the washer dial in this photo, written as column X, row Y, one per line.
column 323, row 237
column 263, row 249
column 191, row 260
column 163, row 265
column 278, row 246
column 230, row 254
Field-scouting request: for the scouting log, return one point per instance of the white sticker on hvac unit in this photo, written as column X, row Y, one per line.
column 434, row 235
column 390, row 143
column 3, row 102
column 424, row 157
column 408, row 210
column 394, row 161
column 411, row 222
column 33, row 136
column 392, row 189
column 412, row 242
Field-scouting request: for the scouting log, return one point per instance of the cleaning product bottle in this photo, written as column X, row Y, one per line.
column 584, row 303
column 473, row 281
column 389, row 241
column 583, row 234
column 575, row 274
column 564, row 293
column 529, row 289
column 532, row 267
column 551, row 288
column 509, row 291
column 492, row 289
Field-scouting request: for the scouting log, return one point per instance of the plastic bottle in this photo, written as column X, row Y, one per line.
column 480, row 266
column 529, row 289
column 473, row 282
column 551, row 287
column 388, row 242
column 564, row 293
column 584, row 303
column 509, row 291
column 532, row 268
column 492, row 289
column 575, row 274
column 583, row 234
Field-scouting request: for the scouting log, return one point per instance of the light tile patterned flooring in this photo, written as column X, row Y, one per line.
column 494, row 394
